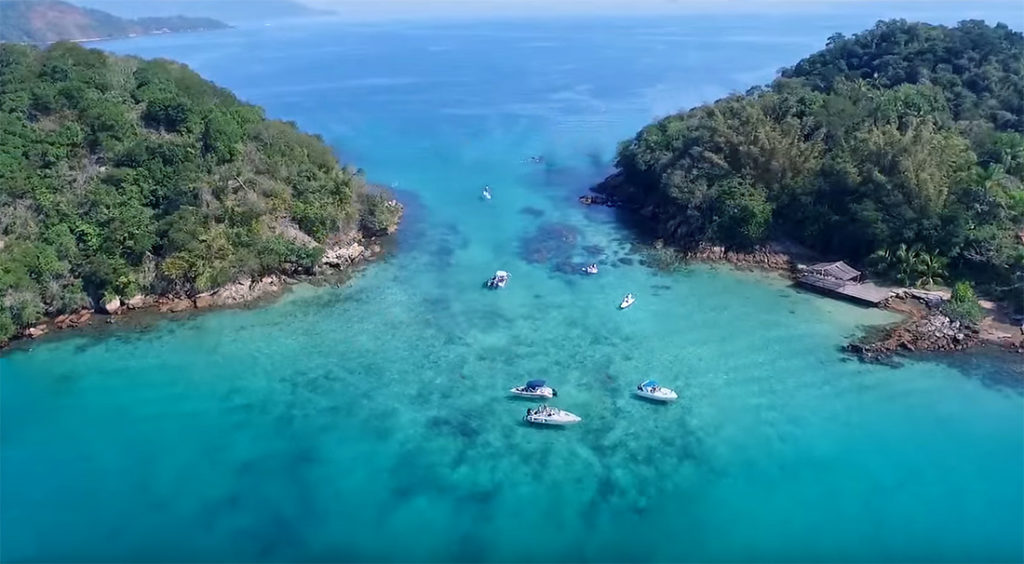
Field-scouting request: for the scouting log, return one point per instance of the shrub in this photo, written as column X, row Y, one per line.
column 963, row 305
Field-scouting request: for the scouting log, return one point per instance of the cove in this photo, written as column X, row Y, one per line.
column 370, row 422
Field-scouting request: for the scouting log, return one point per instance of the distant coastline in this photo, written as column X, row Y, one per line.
column 42, row 22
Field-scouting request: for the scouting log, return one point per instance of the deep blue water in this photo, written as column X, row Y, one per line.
column 369, row 422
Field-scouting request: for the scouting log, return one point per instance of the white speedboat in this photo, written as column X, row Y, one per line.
column 651, row 390
column 486, row 193
column 535, row 389
column 627, row 301
column 545, row 415
column 499, row 279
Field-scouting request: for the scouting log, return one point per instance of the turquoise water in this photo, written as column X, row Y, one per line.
column 369, row 422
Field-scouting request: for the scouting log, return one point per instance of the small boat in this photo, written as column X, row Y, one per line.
column 486, row 193
column 545, row 415
column 499, row 280
column 535, row 389
column 590, row 269
column 651, row 390
column 627, row 301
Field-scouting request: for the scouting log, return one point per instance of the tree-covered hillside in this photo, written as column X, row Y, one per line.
column 900, row 148
column 121, row 176
column 46, row 21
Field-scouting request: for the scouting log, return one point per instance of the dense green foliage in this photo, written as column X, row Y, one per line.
column 905, row 136
column 45, row 21
column 120, row 176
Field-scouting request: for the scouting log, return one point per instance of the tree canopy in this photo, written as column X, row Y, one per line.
column 121, row 176
column 906, row 134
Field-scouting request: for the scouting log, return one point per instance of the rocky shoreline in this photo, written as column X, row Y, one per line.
column 337, row 260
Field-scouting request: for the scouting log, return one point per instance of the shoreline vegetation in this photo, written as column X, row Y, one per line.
column 130, row 184
column 42, row 22
column 899, row 150
column 338, row 265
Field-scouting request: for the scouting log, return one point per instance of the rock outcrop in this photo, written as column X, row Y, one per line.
column 760, row 257
column 343, row 255
column 597, row 200
column 173, row 305
column 933, row 332
column 203, row 301
column 69, row 320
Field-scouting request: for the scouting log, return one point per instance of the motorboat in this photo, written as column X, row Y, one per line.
column 627, row 301
column 651, row 390
column 545, row 415
column 499, row 279
column 590, row 269
column 535, row 389
column 486, row 193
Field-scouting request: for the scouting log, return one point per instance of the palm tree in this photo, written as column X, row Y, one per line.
column 931, row 269
column 991, row 178
column 881, row 262
column 905, row 262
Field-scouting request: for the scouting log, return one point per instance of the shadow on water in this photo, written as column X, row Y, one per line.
column 540, row 427
column 992, row 366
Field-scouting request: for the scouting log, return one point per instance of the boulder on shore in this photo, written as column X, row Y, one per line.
column 111, row 306
column 37, row 331
column 140, row 301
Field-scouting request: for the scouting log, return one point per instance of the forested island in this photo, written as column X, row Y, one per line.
column 122, row 177
column 47, row 21
column 899, row 149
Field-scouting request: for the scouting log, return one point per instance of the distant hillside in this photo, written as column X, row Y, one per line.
column 228, row 11
column 46, row 21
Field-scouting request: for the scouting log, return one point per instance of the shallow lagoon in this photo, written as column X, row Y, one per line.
column 369, row 422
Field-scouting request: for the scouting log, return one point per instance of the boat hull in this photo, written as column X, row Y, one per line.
column 559, row 420
column 542, row 393
column 663, row 395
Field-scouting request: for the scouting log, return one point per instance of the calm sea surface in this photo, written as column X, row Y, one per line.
column 370, row 422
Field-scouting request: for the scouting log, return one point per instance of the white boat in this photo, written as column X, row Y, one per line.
column 545, row 415
column 499, row 279
column 535, row 389
column 591, row 269
column 651, row 390
column 627, row 301
column 486, row 193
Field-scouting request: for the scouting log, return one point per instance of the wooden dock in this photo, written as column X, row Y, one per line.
column 837, row 279
column 861, row 292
